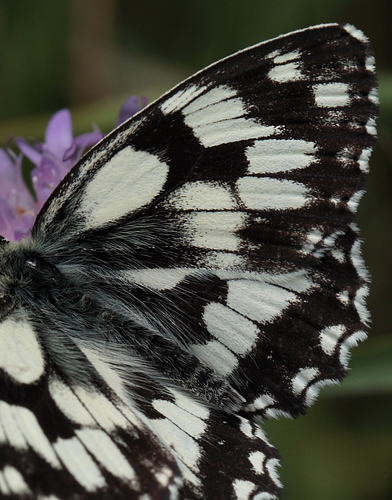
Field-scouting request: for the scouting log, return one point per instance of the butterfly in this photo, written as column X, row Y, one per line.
column 197, row 270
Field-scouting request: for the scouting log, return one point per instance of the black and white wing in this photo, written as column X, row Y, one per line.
column 207, row 271
column 65, row 440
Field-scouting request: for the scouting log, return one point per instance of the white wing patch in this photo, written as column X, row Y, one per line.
column 243, row 489
column 271, row 156
column 201, row 195
column 348, row 344
column 232, row 329
column 257, row 300
column 288, row 72
column 303, row 378
column 180, row 99
column 184, row 423
column 263, row 193
column 128, row 181
column 216, row 356
column 330, row 336
column 332, row 95
column 104, row 450
column 79, row 463
column 214, row 230
column 20, row 354
column 19, row 427
column 227, row 121
column 12, row 482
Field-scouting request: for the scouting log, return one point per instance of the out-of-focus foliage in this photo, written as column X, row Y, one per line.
column 90, row 55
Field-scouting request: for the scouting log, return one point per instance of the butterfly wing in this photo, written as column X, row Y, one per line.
column 215, row 228
column 64, row 440
column 71, row 441
column 224, row 212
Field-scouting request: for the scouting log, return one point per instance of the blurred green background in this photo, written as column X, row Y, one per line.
column 90, row 55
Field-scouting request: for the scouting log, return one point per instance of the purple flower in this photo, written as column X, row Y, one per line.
column 130, row 108
column 52, row 160
column 55, row 157
column 17, row 206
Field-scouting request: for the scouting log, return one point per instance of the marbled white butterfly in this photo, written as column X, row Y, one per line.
column 197, row 269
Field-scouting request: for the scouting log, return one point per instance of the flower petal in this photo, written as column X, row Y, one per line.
column 30, row 151
column 130, row 108
column 58, row 135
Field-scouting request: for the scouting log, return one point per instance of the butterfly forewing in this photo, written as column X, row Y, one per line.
column 207, row 256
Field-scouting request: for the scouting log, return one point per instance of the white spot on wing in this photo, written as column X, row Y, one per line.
column 350, row 342
column 288, row 72
column 364, row 160
column 111, row 376
column 373, row 97
column 265, row 496
column 273, row 155
column 289, row 56
column 271, row 465
column 222, row 260
column 20, row 354
column 219, row 95
column 243, row 489
column 214, row 230
column 258, row 300
column 230, row 328
column 185, row 446
column 158, row 279
column 216, row 356
column 246, row 428
column 261, row 402
column 354, row 200
column 20, row 428
column 370, row 65
column 371, row 127
column 12, row 482
column 103, row 411
column 257, row 458
column 330, row 336
column 356, row 33
column 79, row 463
column 263, row 193
column 181, row 98
column 105, row 451
column 128, row 181
column 219, row 117
column 69, row 404
column 191, row 405
column 360, row 304
column 357, row 259
column 200, row 195
column 192, row 424
column 9, row 429
column 302, row 379
column 338, row 255
column 332, row 95
column 343, row 297
column 4, row 490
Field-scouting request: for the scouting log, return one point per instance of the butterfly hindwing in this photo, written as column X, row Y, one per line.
column 198, row 267
column 86, row 442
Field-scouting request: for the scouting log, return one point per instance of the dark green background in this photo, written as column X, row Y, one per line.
column 89, row 55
